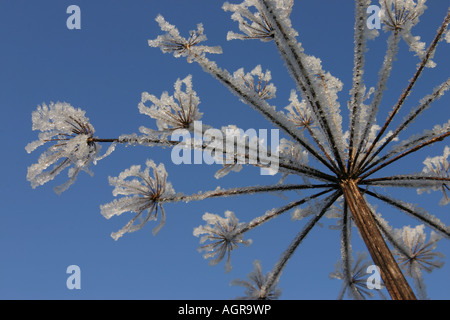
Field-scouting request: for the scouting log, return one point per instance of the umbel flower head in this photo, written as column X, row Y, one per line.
column 355, row 280
column 399, row 16
column 178, row 111
column 418, row 254
column 143, row 196
column 224, row 234
column 299, row 113
column 173, row 42
column 254, row 25
column 439, row 167
column 261, row 86
column 256, row 286
column 71, row 137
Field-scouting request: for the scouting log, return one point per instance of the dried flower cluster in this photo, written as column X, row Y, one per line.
column 70, row 134
column 143, row 195
column 224, row 234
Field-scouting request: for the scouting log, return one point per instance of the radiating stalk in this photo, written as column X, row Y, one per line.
column 287, row 254
column 431, row 49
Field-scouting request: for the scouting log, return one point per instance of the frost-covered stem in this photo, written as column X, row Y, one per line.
column 430, row 51
column 287, row 254
column 251, row 98
column 384, row 75
column 358, row 71
column 276, row 212
column 242, row 191
column 405, row 153
column 346, row 254
column 135, row 140
column 409, row 143
column 391, row 274
column 387, row 234
column 407, row 179
column 289, row 50
column 300, row 169
column 426, row 218
column 412, row 116
column 319, row 144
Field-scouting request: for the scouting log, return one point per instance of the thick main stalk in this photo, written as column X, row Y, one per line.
column 393, row 278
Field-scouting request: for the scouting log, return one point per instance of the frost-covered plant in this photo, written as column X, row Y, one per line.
column 354, row 279
column 258, row 287
column 71, row 137
column 224, row 235
column 439, row 167
column 262, row 87
column 142, row 194
column 416, row 255
column 174, row 43
column 178, row 111
column 337, row 165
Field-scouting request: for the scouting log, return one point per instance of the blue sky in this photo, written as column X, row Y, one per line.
column 103, row 68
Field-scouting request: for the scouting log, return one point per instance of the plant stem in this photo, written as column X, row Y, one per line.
column 365, row 161
column 391, row 274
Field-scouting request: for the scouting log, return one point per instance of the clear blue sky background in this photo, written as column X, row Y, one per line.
column 103, row 68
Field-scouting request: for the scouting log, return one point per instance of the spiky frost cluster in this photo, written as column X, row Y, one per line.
column 417, row 255
column 224, row 235
column 400, row 16
column 262, row 87
column 254, row 25
column 143, row 195
column 178, row 111
column 70, row 134
column 354, row 279
column 439, row 167
column 174, row 43
column 256, row 285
